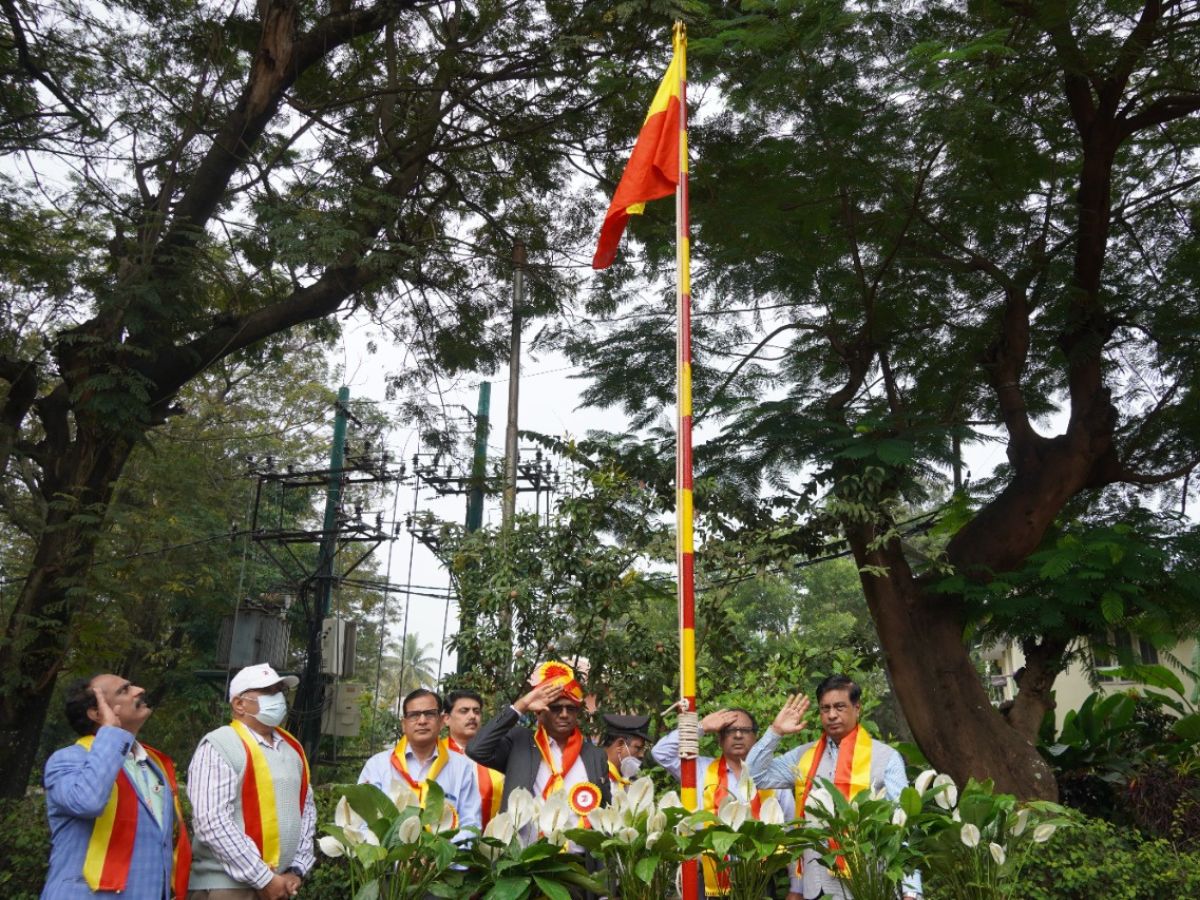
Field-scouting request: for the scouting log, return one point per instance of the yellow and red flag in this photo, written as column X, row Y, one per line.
column 654, row 166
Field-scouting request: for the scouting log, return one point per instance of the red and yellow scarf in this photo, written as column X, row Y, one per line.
column 615, row 776
column 716, row 789
column 400, row 764
column 259, row 809
column 569, row 755
column 110, row 848
column 491, row 786
column 851, row 774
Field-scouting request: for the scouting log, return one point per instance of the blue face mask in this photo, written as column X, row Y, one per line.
column 272, row 709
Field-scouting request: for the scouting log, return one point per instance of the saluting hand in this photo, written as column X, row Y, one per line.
column 539, row 699
column 790, row 719
column 107, row 716
column 715, row 721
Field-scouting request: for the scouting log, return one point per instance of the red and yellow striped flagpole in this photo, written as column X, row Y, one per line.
column 683, row 456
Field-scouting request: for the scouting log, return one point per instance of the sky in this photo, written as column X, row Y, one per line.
column 549, row 403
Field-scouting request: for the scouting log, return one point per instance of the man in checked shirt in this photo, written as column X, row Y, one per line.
column 252, row 803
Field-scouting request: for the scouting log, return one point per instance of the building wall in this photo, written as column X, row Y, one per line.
column 1071, row 688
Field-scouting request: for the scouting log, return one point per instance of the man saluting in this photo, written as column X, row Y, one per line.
column 112, row 802
column 845, row 755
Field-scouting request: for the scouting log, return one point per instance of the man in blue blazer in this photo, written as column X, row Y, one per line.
column 111, row 801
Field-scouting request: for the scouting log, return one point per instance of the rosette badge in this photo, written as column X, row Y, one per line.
column 584, row 798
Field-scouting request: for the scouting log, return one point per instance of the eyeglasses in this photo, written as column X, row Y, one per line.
column 737, row 732
column 422, row 714
column 560, row 708
column 827, row 708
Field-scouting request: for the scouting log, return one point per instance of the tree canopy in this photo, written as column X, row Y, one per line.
column 191, row 180
column 918, row 229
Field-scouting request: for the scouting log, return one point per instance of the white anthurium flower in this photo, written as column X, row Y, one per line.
column 410, row 830
column 969, row 835
column 627, row 835
column 685, row 827
column 745, row 785
column 331, row 846
column 353, row 825
column 344, row 816
column 403, row 796
column 656, row 821
column 640, row 796
column 620, row 800
column 606, row 820
column 670, row 800
column 652, row 839
column 947, row 798
column 555, row 817
column 879, row 791
column 820, row 800
column 449, row 818
column 956, row 816
column 733, row 812
column 771, row 813
column 1018, row 825
column 522, row 808
column 997, row 853
column 899, row 817
column 501, row 828
column 924, row 780
column 1042, row 833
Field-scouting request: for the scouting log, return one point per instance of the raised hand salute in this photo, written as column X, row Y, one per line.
column 790, row 718
column 539, row 699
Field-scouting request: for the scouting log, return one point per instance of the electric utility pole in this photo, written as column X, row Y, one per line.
column 509, row 503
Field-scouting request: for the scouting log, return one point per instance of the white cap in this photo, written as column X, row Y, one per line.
column 260, row 675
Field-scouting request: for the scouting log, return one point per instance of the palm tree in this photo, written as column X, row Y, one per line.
column 406, row 666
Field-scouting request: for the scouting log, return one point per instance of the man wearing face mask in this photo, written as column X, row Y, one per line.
column 252, row 803
column 625, row 740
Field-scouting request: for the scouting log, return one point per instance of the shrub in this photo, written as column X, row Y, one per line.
column 1096, row 859
column 24, row 847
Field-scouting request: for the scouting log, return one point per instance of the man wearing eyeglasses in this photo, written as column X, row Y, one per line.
column 420, row 757
column 722, row 776
column 551, row 758
column 845, row 755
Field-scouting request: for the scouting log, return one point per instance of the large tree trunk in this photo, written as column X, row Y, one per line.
column 950, row 713
column 38, row 632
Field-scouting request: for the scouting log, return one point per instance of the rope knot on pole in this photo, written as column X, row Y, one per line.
column 689, row 735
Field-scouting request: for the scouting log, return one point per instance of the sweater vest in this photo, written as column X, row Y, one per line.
column 287, row 774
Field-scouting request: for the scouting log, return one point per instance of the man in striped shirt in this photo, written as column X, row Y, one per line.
column 251, row 843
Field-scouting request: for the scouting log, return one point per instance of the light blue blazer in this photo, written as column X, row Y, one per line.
column 78, row 784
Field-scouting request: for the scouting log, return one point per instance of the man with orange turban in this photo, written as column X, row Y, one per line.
column 553, row 757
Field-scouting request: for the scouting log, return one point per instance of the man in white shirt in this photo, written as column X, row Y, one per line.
column 420, row 757
column 721, row 776
column 251, row 843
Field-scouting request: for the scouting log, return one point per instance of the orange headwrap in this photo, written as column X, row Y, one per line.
column 559, row 673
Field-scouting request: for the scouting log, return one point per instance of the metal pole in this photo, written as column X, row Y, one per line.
column 311, row 699
column 509, row 505
column 683, row 460
column 479, row 463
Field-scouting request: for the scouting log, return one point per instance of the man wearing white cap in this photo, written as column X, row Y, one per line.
column 252, row 805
